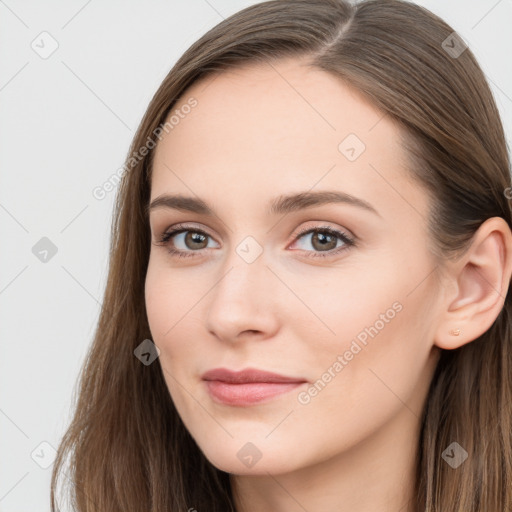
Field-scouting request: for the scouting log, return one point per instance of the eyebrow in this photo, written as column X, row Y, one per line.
column 280, row 205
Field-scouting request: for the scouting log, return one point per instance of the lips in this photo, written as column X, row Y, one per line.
column 249, row 375
column 247, row 387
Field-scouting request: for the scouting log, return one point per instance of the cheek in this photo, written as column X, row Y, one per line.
column 164, row 307
column 157, row 302
column 377, row 362
column 352, row 310
column 168, row 298
column 373, row 326
column 173, row 317
column 374, row 303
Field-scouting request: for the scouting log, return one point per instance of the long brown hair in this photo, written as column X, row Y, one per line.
column 126, row 447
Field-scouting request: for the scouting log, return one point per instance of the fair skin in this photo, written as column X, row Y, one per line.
column 259, row 132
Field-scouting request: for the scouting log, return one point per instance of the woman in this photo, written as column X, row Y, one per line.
column 307, row 305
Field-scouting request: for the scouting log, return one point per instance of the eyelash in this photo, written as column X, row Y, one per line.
column 349, row 242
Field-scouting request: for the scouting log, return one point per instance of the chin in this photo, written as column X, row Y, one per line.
column 245, row 458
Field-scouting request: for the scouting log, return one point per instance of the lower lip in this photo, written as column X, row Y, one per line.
column 247, row 394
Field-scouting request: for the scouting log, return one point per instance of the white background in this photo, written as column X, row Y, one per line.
column 66, row 124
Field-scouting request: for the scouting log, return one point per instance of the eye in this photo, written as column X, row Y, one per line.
column 189, row 237
column 322, row 239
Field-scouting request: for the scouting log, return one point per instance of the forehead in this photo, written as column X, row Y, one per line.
column 273, row 104
column 282, row 125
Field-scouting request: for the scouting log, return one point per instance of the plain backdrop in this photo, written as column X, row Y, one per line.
column 67, row 119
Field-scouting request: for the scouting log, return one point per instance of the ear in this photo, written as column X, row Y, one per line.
column 477, row 284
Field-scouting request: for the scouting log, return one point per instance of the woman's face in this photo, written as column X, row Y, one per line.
column 350, row 317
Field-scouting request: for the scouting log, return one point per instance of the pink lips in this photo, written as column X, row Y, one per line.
column 248, row 386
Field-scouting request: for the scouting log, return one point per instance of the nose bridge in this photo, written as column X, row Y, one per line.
column 243, row 274
column 240, row 299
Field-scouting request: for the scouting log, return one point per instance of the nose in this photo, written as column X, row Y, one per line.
column 243, row 303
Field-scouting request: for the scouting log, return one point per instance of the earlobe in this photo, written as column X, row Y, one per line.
column 481, row 279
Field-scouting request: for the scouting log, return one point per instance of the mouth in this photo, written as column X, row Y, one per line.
column 247, row 387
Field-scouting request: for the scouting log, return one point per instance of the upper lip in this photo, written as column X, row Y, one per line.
column 247, row 375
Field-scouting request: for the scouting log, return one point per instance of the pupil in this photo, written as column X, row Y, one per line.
column 323, row 238
column 196, row 238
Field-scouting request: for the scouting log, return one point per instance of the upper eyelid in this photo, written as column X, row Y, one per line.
column 184, row 226
column 181, row 227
